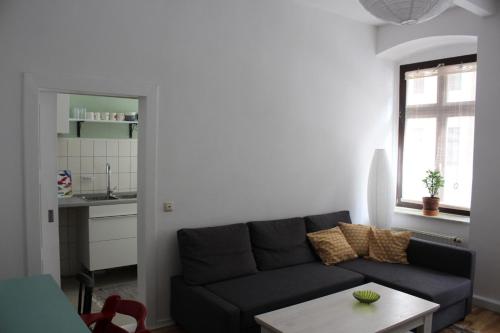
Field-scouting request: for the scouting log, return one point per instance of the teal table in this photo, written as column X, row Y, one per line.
column 37, row 304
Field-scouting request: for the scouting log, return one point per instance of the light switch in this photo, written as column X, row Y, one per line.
column 168, row 206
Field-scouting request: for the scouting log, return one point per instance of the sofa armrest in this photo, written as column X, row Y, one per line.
column 441, row 257
column 198, row 310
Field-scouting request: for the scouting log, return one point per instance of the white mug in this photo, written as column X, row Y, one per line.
column 90, row 115
column 120, row 116
column 105, row 116
column 97, row 116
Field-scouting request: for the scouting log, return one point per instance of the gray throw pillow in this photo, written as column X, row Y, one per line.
column 280, row 243
column 215, row 253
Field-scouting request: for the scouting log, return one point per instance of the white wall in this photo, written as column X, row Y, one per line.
column 269, row 108
column 484, row 228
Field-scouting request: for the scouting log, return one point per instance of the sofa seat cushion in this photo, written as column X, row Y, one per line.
column 271, row 290
column 280, row 243
column 434, row 286
column 215, row 253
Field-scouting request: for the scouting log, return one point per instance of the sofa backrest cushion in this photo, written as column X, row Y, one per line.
column 215, row 253
column 326, row 221
column 280, row 243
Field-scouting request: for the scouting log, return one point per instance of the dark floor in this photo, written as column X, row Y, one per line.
column 479, row 321
column 122, row 281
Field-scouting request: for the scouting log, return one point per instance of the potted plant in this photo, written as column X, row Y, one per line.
column 433, row 182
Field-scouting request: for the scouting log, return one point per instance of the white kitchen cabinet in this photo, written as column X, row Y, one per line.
column 113, row 253
column 62, row 113
column 112, row 227
column 113, row 210
column 108, row 236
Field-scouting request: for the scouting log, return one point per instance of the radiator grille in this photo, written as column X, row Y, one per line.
column 434, row 237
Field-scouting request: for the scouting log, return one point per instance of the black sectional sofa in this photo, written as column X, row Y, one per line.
column 232, row 273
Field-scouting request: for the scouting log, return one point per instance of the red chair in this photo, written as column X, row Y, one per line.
column 113, row 305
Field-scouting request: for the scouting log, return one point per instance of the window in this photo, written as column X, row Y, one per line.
column 436, row 130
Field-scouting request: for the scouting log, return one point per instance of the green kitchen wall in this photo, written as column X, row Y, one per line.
column 102, row 104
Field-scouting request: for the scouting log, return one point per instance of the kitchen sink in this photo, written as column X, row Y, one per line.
column 97, row 197
column 126, row 195
column 104, row 197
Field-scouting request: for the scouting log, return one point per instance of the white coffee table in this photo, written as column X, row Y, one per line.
column 394, row 312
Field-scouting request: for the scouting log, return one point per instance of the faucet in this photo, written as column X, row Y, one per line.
column 109, row 191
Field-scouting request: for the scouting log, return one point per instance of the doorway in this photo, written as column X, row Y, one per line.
column 41, row 158
column 97, row 148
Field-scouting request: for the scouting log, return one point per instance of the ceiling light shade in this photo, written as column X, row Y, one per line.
column 404, row 12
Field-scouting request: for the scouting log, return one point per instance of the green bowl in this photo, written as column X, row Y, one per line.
column 366, row 296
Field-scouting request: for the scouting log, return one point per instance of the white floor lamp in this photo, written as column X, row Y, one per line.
column 380, row 191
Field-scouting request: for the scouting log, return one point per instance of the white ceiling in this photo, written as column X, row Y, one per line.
column 348, row 8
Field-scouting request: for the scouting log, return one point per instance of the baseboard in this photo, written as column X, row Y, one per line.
column 160, row 323
column 487, row 303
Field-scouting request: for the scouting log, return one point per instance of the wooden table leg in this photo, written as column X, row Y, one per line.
column 427, row 327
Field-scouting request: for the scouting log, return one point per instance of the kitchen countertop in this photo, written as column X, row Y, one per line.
column 76, row 201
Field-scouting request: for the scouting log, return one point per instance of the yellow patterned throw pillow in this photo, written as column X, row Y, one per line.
column 331, row 246
column 389, row 246
column 358, row 236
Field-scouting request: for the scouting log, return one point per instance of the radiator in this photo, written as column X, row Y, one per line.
column 435, row 237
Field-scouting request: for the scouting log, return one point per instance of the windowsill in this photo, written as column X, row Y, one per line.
column 441, row 216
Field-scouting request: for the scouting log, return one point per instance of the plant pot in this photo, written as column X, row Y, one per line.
column 431, row 206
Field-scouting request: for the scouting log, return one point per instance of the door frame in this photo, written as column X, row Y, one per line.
column 148, row 95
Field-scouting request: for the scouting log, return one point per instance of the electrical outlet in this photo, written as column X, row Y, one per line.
column 168, row 206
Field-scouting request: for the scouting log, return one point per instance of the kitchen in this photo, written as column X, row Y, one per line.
column 97, row 194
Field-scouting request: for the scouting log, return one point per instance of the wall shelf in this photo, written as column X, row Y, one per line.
column 131, row 124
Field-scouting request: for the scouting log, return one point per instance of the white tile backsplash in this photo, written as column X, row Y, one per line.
column 99, row 164
column 124, row 147
column 74, row 147
column 87, row 182
column 100, row 148
column 87, row 158
column 111, row 147
column 113, row 162
column 114, row 181
column 124, row 182
column 133, row 164
column 86, row 186
column 123, row 164
column 133, row 181
column 100, row 182
column 62, row 163
column 75, row 178
column 87, row 147
column 87, row 164
column 74, row 164
column 133, row 148
column 62, row 147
